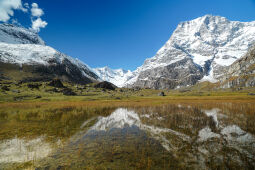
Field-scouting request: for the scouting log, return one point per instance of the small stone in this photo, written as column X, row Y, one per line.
column 161, row 94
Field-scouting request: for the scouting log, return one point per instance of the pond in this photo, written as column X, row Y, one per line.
column 169, row 136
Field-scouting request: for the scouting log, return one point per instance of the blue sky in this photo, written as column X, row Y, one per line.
column 123, row 33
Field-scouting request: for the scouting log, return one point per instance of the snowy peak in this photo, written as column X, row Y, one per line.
column 198, row 48
column 116, row 76
column 211, row 36
column 17, row 35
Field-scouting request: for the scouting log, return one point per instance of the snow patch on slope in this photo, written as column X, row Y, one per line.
column 17, row 35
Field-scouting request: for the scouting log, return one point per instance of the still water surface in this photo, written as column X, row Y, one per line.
column 170, row 136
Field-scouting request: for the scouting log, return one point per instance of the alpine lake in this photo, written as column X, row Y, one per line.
column 174, row 135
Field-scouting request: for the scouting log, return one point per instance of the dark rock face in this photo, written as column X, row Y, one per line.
column 180, row 73
column 65, row 71
column 105, row 85
column 56, row 83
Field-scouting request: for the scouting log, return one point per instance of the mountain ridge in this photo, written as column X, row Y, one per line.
column 22, row 47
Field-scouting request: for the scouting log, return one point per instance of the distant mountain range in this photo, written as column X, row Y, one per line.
column 209, row 48
column 115, row 76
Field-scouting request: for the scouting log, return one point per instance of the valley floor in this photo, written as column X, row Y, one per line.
column 44, row 125
column 44, row 93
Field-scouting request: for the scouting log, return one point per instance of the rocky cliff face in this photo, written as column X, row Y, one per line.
column 241, row 73
column 24, row 51
column 198, row 50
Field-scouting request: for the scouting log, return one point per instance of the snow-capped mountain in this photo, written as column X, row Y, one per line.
column 116, row 76
column 198, row 50
column 24, row 48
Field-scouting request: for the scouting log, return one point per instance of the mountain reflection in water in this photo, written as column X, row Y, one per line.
column 163, row 137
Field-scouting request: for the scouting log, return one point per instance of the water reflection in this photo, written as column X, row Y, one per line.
column 118, row 140
column 23, row 150
column 163, row 137
column 123, row 117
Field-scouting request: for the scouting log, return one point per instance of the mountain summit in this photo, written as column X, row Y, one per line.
column 198, row 50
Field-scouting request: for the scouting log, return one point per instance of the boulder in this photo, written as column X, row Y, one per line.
column 68, row 92
column 5, row 88
column 33, row 86
column 161, row 94
column 105, row 85
column 56, row 83
column 38, row 97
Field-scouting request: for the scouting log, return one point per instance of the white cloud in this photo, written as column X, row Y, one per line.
column 7, row 7
column 38, row 24
column 36, row 11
